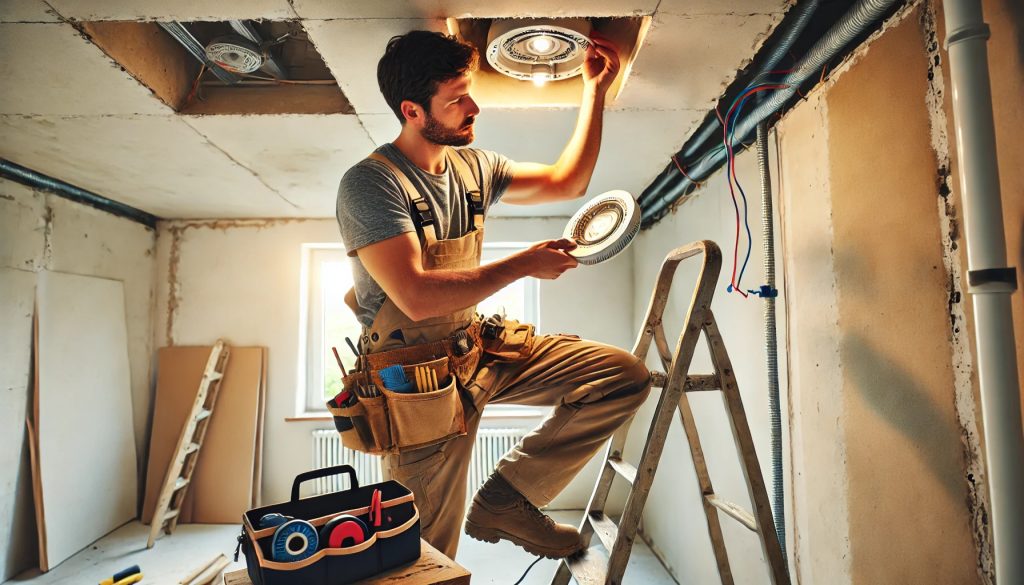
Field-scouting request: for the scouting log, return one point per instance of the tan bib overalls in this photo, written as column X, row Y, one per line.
column 594, row 387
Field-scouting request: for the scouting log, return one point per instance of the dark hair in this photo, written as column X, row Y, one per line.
column 415, row 63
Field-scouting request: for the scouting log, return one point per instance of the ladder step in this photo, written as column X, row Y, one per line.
column 214, row 376
column 734, row 510
column 180, row 483
column 626, row 470
column 192, row 448
column 204, row 413
column 588, row 568
column 658, row 379
column 171, row 514
column 698, row 383
column 605, row 529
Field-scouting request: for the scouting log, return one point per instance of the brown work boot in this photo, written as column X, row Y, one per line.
column 499, row 511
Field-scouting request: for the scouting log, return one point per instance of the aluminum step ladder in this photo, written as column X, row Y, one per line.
column 595, row 566
column 186, row 454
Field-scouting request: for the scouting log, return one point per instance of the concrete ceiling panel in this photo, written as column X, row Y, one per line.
column 351, row 48
column 635, row 148
column 546, row 8
column 381, row 127
column 26, row 11
column 49, row 69
column 157, row 164
column 183, row 10
column 687, row 61
column 357, row 9
column 300, row 157
column 696, row 7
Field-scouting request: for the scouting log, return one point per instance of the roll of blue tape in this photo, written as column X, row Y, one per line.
column 293, row 541
column 272, row 519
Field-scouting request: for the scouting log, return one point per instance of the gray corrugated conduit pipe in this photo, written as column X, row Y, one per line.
column 771, row 343
column 990, row 281
column 848, row 27
column 802, row 15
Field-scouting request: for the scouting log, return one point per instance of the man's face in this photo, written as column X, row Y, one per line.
column 452, row 113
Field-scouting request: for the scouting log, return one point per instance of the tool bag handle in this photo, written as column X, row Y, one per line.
column 325, row 472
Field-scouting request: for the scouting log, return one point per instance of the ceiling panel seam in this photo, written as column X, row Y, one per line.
column 237, row 162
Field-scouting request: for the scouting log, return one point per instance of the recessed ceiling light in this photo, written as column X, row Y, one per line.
column 540, row 50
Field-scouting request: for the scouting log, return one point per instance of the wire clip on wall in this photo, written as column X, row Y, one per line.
column 765, row 292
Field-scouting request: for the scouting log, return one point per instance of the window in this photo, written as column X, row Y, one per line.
column 327, row 320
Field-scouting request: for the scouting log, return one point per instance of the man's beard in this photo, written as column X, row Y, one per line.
column 440, row 134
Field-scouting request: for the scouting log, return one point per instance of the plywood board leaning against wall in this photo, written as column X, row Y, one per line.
column 222, row 485
column 83, row 441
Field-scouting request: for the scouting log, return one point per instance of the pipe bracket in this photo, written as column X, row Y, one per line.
column 992, row 280
column 966, row 33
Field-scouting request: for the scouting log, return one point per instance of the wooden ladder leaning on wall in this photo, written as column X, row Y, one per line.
column 597, row 567
column 186, row 454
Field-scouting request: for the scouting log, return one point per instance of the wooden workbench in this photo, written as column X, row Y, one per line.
column 432, row 568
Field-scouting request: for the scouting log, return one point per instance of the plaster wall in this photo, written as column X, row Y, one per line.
column 674, row 521
column 39, row 231
column 240, row 280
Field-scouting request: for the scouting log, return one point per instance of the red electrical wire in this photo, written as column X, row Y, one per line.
column 735, row 205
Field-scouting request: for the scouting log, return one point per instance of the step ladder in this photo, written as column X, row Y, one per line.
column 186, row 454
column 606, row 567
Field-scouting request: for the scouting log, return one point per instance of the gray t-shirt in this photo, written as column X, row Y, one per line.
column 372, row 207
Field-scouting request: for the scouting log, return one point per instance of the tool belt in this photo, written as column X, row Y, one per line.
column 374, row 419
column 334, row 538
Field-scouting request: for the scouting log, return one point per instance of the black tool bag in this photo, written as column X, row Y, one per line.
column 394, row 543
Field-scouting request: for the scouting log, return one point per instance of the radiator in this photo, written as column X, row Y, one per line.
column 491, row 445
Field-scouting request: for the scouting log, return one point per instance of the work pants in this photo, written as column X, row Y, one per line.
column 594, row 388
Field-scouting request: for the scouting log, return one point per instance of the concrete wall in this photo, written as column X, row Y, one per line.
column 240, row 280
column 39, row 232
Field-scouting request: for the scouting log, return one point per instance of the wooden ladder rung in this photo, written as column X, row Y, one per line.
column 589, row 567
column 171, row 515
column 699, row 383
column 214, row 376
column 605, row 529
column 192, row 448
column 658, row 379
column 180, row 483
column 626, row 470
column 204, row 413
column 733, row 510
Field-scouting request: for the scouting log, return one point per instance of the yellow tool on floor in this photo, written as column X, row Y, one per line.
column 132, row 574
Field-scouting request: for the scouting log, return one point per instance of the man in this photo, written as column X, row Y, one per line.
column 411, row 215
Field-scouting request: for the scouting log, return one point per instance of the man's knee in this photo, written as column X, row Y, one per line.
column 634, row 379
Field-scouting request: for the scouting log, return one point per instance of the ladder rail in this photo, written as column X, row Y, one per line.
column 186, row 452
column 751, row 467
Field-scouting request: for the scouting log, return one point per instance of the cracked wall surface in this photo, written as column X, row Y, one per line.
column 40, row 231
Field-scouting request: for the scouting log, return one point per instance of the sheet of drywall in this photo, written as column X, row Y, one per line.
column 86, row 446
column 221, row 487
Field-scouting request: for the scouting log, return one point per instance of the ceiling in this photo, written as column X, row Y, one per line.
column 67, row 110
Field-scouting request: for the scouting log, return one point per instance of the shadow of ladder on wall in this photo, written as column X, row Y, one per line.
column 597, row 567
column 186, row 453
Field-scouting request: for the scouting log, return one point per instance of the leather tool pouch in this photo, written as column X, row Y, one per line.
column 507, row 340
column 395, row 422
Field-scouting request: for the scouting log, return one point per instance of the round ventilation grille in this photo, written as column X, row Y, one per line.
column 538, row 50
column 235, row 53
column 603, row 227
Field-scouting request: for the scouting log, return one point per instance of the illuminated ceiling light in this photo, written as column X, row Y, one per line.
column 539, row 50
column 541, row 74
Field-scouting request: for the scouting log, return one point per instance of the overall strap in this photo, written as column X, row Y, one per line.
column 423, row 216
column 474, row 196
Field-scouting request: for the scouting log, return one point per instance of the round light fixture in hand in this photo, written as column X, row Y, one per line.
column 603, row 227
column 539, row 50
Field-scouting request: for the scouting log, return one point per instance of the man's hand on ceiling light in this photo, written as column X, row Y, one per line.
column 602, row 63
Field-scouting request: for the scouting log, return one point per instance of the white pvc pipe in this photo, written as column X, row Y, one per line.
column 990, row 281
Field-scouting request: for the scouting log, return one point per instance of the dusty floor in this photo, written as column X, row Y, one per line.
column 175, row 556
